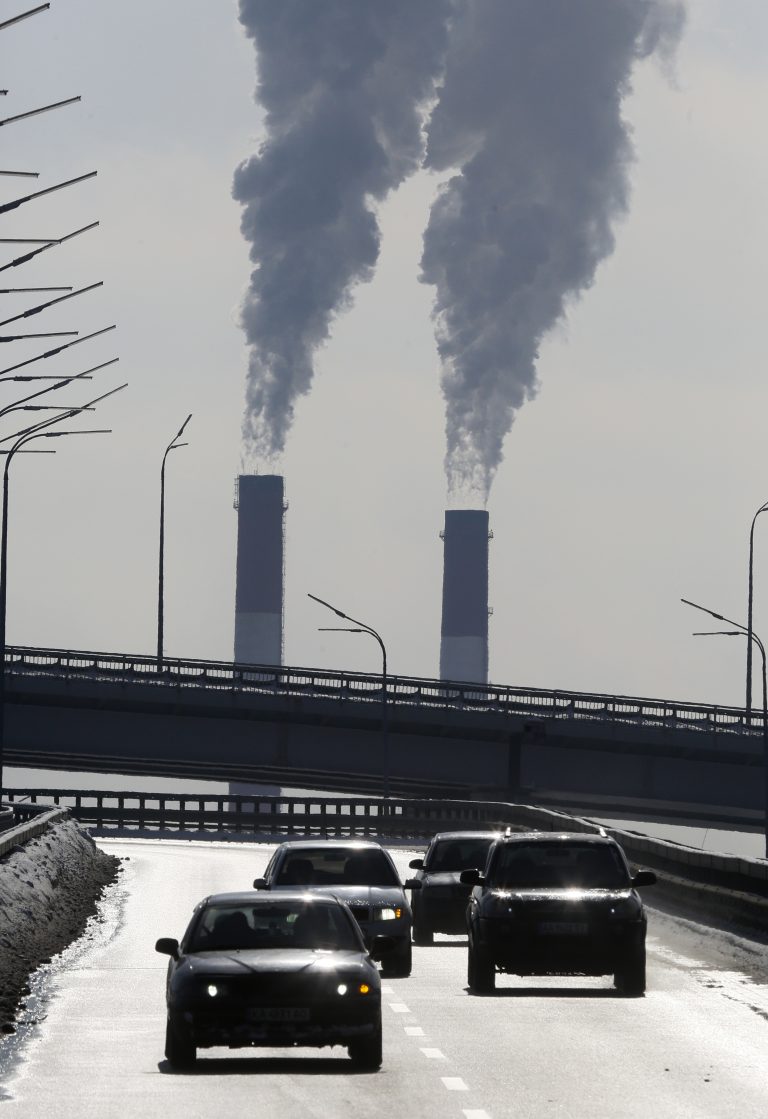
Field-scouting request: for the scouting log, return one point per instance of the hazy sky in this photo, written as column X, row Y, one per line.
column 629, row 481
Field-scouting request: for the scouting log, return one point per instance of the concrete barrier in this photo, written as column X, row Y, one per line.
column 21, row 833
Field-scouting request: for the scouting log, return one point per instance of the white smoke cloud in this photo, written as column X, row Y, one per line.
column 530, row 114
column 343, row 83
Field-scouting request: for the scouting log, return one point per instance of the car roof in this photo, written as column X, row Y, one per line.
column 497, row 833
column 342, row 844
column 558, row 837
column 259, row 897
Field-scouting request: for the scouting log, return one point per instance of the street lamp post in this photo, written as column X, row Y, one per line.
column 18, row 440
column 748, row 704
column 172, row 446
column 361, row 627
column 751, row 636
column 23, row 438
column 54, row 351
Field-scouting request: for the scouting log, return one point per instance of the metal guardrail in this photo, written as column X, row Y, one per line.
column 402, row 691
column 259, row 816
column 281, row 817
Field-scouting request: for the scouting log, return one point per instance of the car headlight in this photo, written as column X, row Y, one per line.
column 498, row 904
column 623, row 909
column 214, row 990
column 388, row 913
column 353, row 988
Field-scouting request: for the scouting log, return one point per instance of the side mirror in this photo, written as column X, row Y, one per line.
column 471, row 878
column 412, row 884
column 416, row 864
column 644, row 878
column 259, row 883
column 168, row 946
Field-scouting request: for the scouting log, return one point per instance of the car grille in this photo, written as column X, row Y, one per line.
column 361, row 912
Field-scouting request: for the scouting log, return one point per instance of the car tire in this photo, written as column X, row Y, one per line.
column 366, row 1052
column 481, row 973
column 422, row 934
column 179, row 1049
column 629, row 977
column 397, row 965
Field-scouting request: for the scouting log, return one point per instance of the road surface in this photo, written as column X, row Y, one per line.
column 696, row 1046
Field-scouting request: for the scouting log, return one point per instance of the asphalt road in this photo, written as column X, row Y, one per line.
column 696, row 1046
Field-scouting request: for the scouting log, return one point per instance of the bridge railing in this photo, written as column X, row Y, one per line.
column 354, row 688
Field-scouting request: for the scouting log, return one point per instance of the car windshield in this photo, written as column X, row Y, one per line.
column 558, row 865
column 336, row 866
column 276, row 925
column 458, row 854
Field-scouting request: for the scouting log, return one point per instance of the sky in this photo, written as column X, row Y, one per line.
column 629, row 481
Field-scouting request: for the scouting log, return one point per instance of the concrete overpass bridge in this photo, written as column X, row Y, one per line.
column 320, row 729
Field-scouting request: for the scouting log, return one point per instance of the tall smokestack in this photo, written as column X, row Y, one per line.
column 464, row 634
column 259, row 591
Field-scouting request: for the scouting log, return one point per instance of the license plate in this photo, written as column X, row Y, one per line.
column 563, row 928
column 278, row 1014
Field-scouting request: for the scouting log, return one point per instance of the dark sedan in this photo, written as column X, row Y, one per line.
column 361, row 873
column 441, row 904
column 256, row 970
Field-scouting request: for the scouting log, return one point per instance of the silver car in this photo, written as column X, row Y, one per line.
column 360, row 873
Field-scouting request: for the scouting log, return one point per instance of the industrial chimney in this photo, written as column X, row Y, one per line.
column 259, row 588
column 464, row 633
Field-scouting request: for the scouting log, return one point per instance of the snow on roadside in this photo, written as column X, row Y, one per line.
column 49, row 888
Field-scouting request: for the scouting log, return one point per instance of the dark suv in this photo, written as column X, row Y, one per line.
column 554, row 904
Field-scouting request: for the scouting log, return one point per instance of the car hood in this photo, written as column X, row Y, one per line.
column 574, row 896
column 360, row 895
column 272, row 961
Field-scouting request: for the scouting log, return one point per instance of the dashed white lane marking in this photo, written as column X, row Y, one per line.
column 414, row 1031
column 399, row 1008
column 473, row 1113
column 454, row 1084
column 434, row 1054
column 387, row 991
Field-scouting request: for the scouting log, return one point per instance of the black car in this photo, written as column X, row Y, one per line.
column 361, row 873
column 441, row 904
column 256, row 970
column 550, row 904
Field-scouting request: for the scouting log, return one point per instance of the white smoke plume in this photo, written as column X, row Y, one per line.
column 343, row 84
column 530, row 115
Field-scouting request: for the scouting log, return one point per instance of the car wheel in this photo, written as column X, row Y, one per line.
column 481, row 974
column 397, row 965
column 422, row 934
column 366, row 1052
column 629, row 977
column 179, row 1050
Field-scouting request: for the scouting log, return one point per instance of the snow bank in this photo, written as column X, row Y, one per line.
column 49, row 887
